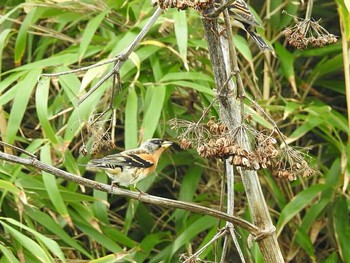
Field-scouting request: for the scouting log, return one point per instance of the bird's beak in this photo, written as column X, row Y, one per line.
column 166, row 144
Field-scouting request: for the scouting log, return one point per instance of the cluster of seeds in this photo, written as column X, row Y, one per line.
column 308, row 33
column 100, row 136
column 220, row 145
column 214, row 140
column 284, row 170
column 183, row 4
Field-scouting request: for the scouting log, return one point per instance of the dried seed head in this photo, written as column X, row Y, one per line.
column 308, row 33
column 185, row 144
column 83, row 150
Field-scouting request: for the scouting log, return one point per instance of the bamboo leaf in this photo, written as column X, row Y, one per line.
column 192, row 76
column 181, row 34
column 25, row 241
column 298, row 203
column 21, row 40
column 131, row 131
column 154, row 109
column 4, row 35
column 197, row 226
column 41, row 99
column 20, row 103
column 342, row 227
column 47, row 222
column 89, row 32
column 193, row 85
column 8, row 255
column 51, row 184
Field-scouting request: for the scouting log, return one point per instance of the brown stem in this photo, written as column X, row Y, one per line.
column 230, row 114
column 165, row 202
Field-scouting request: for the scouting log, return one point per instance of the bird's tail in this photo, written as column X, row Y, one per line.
column 258, row 39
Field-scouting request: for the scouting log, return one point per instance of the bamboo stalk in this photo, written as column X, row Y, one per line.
column 230, row 114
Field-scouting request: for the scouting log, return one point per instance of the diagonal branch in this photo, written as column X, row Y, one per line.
column 165, row 202
column 119, row 59
column 125, row 54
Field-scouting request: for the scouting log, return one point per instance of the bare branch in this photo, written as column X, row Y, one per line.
column 165, row 202
column 125, row 54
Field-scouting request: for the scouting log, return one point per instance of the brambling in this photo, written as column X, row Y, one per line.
column 246, row 20
column 131, row 166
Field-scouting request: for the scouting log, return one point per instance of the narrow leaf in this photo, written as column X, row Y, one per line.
column 20, row 102
column 131, row 131
column 28, row 243
column 51, row 184
column 154, row 109
column 298, row 203
column 41, row 101
column 89, row 32
column 181, row 34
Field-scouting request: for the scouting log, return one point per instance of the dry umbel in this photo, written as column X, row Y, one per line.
column 214, row 140
column 307, row 32
column 183, row 4
column 100, row 136
column 291, row 164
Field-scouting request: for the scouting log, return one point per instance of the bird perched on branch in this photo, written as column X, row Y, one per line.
column 131, row 166
column 246, row 20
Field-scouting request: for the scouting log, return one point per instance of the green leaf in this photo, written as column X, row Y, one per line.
column 20, row 103
column 26, row 242
column 148, row 244
column 242, row 46
column 8, row 255
column 196, row 227
column 10, row 187
column 307, row 126
column 41, row 100
column 180, row 26
column 51, row 184
column 52, row 226
column 192, row 76
column 193, row 85
column 21, row 40
column 287, row 62
column 89, row 32
column 298, row 203
column 131, row 131
column 98, row 237
column 154, row 109
column 4, row 35
column 342, row 227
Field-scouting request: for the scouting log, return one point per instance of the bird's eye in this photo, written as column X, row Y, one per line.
column 157, row 142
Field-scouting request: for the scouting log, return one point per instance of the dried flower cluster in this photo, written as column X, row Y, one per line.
column 100, row 136
column 290, row 165
column 308, row 33
column 213, row 140
column 183, row 4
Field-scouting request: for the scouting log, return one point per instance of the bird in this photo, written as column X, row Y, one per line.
column 241, row 13
column 131, row 166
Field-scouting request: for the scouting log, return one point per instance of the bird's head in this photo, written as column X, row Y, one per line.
column 155, row 144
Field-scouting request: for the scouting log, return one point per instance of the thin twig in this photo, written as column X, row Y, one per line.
column 50, row 75
column 17, row 148
column 125, row 54
column 165, row 202
column 217, row 236
column 309, row 7
column 230, row 209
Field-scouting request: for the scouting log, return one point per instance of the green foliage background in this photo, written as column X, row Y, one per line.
column 46, row 219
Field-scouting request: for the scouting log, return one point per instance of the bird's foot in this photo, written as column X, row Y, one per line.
column 113, row 184
column 141, row 193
